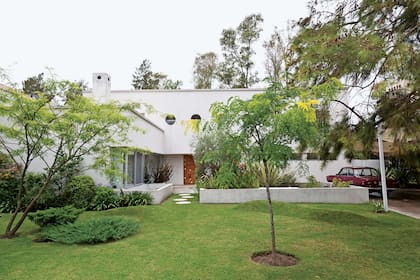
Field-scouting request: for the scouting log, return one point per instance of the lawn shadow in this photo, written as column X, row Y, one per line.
column 335, row 217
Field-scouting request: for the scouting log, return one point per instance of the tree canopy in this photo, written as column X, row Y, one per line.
column 56, row 128
column 145, row 78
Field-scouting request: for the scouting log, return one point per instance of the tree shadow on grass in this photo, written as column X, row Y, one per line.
column 335, row 217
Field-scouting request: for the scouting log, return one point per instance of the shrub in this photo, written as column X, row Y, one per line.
column 378, row 206
column 99, row 230
column 274, row 177
column 55, row 216
column 288, row 179
column 104, row 199
column 80, row 191
column 8, row 190
column 340, row 183
column 134, row 199
column 312, row 182
column 162, row 173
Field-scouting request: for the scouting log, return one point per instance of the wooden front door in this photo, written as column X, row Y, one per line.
column 189, row 170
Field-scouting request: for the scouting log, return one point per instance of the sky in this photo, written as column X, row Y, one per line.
column 79, row 37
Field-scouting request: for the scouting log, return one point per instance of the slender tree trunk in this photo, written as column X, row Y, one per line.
column 270, row 208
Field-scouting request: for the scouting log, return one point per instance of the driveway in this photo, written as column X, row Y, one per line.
column 406, row 202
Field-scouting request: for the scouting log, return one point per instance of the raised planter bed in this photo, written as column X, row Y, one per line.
column 159, row 192
column 352, row 194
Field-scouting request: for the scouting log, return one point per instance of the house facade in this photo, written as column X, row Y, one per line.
column 165, row 136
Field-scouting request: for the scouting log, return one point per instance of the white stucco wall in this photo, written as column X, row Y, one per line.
column 177, row 162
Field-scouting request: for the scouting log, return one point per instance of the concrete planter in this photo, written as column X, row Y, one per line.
column 159, row 192
column 352, row 194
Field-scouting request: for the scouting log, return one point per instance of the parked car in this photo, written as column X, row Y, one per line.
column 361, row 176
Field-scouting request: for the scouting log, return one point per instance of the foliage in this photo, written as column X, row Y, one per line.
column 312, row 182
column 162, row 173
column 402, row 172
column 56, row 128
column 235, row 70
column 370, row 45
column 93, row 231
column 273, row 176
column 204, row 69
column 50, row 197
column 276, row 58
column 104, row 199
column 338, row 183
column 33, row 86
column 55, row 216
column 9, row 174
column 80, row 191
column 145, row 78
column 378, row 206
column 288, row 179
column 134, row 199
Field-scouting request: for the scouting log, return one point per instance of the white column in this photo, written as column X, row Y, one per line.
column 382, row 168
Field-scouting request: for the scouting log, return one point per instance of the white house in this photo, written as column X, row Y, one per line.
column 171, row 142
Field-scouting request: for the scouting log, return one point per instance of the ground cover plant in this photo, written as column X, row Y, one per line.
column 200, row 241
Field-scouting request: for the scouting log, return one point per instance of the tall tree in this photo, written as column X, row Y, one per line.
column 36, row 128
column 204, row 69
column 145, row 78
column 264, row 127
column 370, row 45
column 235, row 71
column 276, row 58
column 33, row 85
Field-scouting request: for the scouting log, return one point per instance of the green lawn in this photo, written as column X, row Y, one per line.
column 215, row 242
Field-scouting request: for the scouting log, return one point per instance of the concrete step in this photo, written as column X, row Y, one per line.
column 177, row 189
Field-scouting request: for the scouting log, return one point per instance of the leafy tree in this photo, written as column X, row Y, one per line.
column 33, row 85
column 39, row 129
column 276, row 58
column 204, row 70
column 235, row 71
column 370, row 45
column 264, row 127
column 145, row 78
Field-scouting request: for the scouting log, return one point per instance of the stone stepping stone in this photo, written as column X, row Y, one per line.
column 183, row 202
column 182, row 194
column 180, row 199
column 187, row 196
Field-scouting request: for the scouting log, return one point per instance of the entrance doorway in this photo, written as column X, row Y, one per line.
column 189, row 170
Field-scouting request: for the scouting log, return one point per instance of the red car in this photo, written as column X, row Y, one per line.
column 361, row 176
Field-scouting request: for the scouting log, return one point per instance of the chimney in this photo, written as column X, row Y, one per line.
column 101, row 86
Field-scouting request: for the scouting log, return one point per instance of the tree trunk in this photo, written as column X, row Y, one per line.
column 270, row 207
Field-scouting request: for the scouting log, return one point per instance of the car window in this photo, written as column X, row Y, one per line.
column 374, row 172
column 358, row 172
column 350, row 172
column 343, row 171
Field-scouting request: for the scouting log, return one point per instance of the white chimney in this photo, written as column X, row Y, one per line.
column 101, row 86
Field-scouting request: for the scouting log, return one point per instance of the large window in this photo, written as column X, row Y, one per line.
column 132, row 168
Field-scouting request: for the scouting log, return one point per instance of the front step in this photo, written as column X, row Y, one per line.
column 184, row 189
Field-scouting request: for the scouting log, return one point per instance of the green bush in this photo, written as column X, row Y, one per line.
column 312, row 182
column 288, row 179
column 99, row 230
column 104, row 199
column 274, row 177
column 55, row 216
column 134, row 199
column 8, row 191
column 338, row 183
column 80, row 191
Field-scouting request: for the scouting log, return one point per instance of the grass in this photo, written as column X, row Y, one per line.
column 201, row 241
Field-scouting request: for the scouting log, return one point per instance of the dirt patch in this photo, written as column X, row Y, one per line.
column 279, row 258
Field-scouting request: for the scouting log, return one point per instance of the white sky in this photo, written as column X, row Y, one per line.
column 78, row 37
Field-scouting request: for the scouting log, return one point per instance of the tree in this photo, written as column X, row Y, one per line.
column 371, row 45
column 276, row 59
column 33, row 85
column 235, row 71
column 264, row 127
column 40, row 129
column 145, row 78
column 204, row 69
